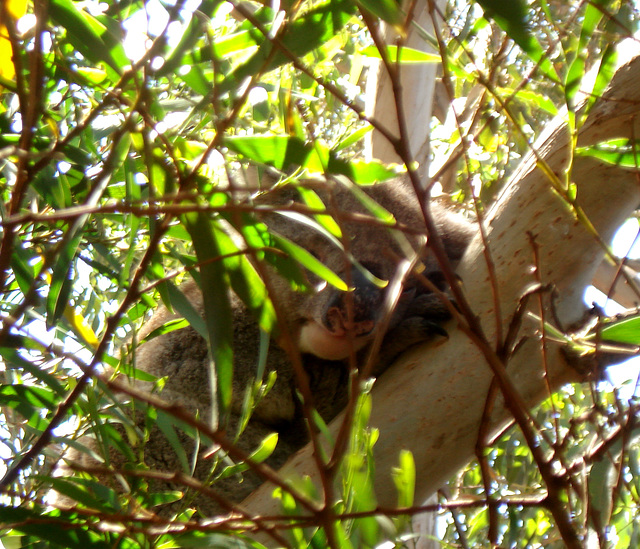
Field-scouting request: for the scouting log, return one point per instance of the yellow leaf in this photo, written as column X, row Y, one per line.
column 80, row 326
column 15, row 9
column 78, row 323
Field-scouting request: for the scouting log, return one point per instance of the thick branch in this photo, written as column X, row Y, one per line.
column 432, row 400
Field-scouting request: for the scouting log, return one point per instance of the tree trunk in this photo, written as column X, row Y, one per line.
column 418, row 85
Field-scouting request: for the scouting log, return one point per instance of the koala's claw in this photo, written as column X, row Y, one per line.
column 437, row 330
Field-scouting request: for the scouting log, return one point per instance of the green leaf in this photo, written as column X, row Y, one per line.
column 283, row 152
column 341, row 536
column 625, row 331
column 618, row 152
column 538, row 100
column 195, row 540
column 280, row 151
column 190, row 37
column 224, row 47
column 245, row 281
column 65, row 530
column 512, row 18
column 404, row 55
column 167, row 423
column 162, row 498
column 363, row 172
column 308, row 261
column 91, row 37
column 311, row 199
column 11, row 357
column 603, row 475
column 61, row 283
column 183, row 306
column 29, row 402
column 54, row 189
column 24, row 272
column 306, row 33
column 606, row 69
column 592, row 16
column 601, row 479
column 271, row 252
column 171, row 326
column 89, row 493
column 354, row 137
column 387, row 10
column 574, row 78
column 404, row 477
column 265, row 449
column 210, row 246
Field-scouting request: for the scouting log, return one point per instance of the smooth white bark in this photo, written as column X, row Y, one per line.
column 418, row 85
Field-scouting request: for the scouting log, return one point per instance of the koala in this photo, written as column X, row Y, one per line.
column 328, row 327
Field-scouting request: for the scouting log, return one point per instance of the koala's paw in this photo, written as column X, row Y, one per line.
column 428, row 306
column 416, row 329
column 421, row 323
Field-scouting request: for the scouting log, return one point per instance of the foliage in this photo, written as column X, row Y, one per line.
column 125, row 130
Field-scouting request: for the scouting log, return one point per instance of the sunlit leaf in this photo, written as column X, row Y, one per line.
column 279, row 151
column 354, row 137
column 617, row 152
column 262, row 452
column 402, row 55
column 305, row 34
column 311, row 199
column 80, row 326
column 623, row 331
column 90, row 36
column 12, row 357
column 168, row 327
column 283, row 152
column 592, row 17
column 308, row 261
column 606, row 68
column 14, row 9
column 81, row 490
column 404, row 477
column 189, row 38
column 32, row 403
column 387, row 10
column 60, row 286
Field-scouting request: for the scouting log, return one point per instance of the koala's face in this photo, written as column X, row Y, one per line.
column 330, row 323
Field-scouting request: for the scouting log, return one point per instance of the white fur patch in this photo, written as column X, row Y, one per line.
column 319, row 341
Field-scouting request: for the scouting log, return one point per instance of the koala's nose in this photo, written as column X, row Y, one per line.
column 364, row 298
